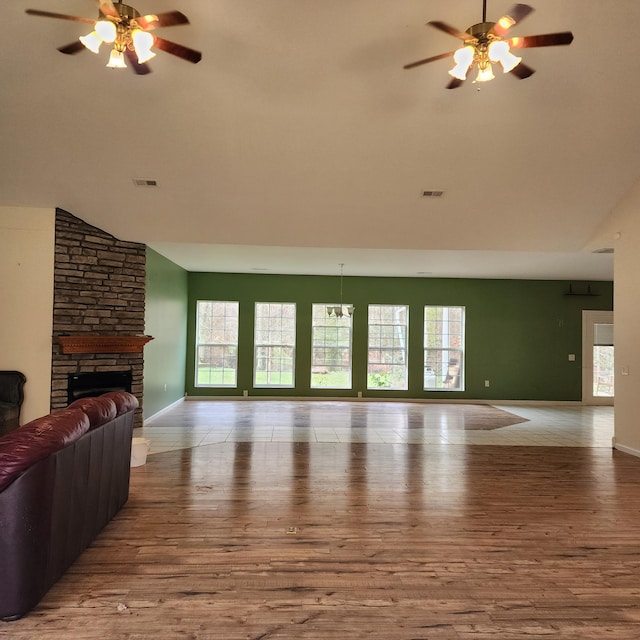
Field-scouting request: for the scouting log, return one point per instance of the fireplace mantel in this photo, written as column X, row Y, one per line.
column 90, row 343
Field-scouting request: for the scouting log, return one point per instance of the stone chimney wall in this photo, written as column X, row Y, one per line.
column 99, row 289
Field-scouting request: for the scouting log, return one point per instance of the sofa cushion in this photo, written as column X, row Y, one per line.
column 99, row 410
column 124, row 401
column 37, row 439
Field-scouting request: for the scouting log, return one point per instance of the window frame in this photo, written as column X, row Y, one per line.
column 389, row 350
column 214, row 344
column 330, row 322
column 455, row 367
column 273, row 345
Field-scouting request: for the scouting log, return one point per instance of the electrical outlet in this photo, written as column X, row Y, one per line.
column 572, row 357
column 487, row 383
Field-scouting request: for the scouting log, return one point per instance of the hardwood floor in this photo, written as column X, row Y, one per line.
column 266, row 540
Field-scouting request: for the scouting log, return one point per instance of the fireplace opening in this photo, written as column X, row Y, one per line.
column 87, row 385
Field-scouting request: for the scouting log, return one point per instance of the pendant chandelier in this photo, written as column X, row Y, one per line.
column 339, row 311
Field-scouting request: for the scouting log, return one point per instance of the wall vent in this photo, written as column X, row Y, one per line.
column 432, row 194
column 145, row 182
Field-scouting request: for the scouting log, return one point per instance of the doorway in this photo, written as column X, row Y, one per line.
column 597, row 357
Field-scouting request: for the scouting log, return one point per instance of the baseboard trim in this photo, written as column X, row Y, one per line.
column 548, row 403
column 156, row 415
column 630, row 450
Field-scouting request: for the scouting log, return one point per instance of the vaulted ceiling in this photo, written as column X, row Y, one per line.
column 299, row 142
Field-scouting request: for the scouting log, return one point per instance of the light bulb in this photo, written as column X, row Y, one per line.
column 485, row 74
column 106, row 30
column 92, row 41
column 499, row 52
column 463, row 58
column 116, row 60
column 506, row 22
column 142, row 43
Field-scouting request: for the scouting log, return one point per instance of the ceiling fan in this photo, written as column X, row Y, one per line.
column 485, row 44
column 128, row 32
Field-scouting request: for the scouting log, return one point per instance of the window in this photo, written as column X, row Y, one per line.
column 387, row 346
column 330, row 349
column 274, row 344
column 444, row 348
column 217, row 344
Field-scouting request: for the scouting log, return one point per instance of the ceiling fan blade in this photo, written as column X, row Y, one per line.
column 522, row 71
column 61, row 16
column 455, row 83
column 142, row 69
column 543, row 40
column 107, row 8
column 72, row 47
column 168, row 19
column 517, row 13
column 417, row 63
column 190, row 55
column 452, row 31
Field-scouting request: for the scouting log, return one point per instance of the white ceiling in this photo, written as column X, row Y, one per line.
column 299, row 142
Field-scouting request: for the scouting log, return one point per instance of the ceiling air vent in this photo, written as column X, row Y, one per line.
column 604, row 250
column 432, row 194
column 145, row 182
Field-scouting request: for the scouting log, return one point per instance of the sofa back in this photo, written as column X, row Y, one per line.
column 64, row 477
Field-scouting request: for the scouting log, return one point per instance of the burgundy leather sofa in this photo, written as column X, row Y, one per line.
column 62, row 479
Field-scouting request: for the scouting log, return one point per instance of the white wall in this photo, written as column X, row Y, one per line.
column 27, row 245
column 622, row 232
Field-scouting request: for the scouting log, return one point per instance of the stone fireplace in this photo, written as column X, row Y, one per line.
column 99, row 298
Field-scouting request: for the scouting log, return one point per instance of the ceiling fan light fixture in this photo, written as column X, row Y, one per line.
column 499, row 51
column 91, row 41
column 463, row 58
column 506, row 22
column 142, row 43
column 145, row 55
column 106, row 30
column 116, row 60
column 485, row 73
column 510, row 62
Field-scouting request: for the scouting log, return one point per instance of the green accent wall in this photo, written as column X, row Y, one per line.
column 166, row 321
column 518, row 332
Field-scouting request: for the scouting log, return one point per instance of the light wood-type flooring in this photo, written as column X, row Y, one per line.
column 269, row 539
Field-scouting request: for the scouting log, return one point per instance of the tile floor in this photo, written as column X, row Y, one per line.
column 198, row 423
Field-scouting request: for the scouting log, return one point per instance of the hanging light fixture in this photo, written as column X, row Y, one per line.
column 125, row 35
column 335, row 311
column 485, row 47
column 489, row 43
column 128, row 31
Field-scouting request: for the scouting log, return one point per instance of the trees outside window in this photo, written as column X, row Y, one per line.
column 443, row 348
column 274, row 344
column 387, row 346
column 330, row 349
column 216, row 344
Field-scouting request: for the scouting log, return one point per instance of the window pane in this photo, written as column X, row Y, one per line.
column 274, row 344
column 330, row 349
column 217, row 344
column 444, row 348
column 387, row 347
